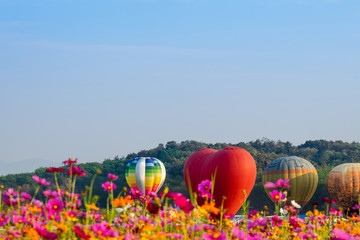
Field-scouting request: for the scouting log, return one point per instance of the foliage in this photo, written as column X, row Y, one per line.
column 324, row 155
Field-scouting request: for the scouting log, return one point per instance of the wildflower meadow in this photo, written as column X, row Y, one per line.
column 73, row 214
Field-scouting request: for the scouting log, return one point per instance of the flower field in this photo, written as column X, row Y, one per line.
column 67, row 214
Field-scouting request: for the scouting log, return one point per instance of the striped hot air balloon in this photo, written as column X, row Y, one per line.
column 146, row 174
column 303, row 177
column 343, row 184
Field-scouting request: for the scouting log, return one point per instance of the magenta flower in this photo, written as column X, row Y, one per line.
column 4, row 219
column 102, row 229
column 328, row 200
column 10, row 193
column 51, row 194
column 54, row 205
column 40, row 181
column 279, row 184
column 184, row 204
column 54, row 170
column 26, row 196
column 204, row 186
column 216, row 235
column 75, row 171
column 136, row 193
column 70, row 161
column 340, row 234
column 19, row 219
column 108, row 186
column 277, row 196
column 45, row 233
column 335, row 212
column 356, row 207
column 276, row 220
column 237, row 233
column 112, row 177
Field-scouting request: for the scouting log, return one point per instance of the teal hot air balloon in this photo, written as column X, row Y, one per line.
column 146, row 174
column 303, row 177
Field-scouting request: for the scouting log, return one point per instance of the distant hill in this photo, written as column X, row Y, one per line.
column 24, row 166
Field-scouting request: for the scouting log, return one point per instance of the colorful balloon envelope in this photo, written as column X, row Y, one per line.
column 302, row 174
column 343, row 184
column 146, row 174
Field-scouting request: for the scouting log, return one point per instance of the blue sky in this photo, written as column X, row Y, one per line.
column 95, row 79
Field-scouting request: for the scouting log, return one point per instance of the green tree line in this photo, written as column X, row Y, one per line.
column 323, row 154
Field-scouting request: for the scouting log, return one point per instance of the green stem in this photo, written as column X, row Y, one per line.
column 36, row 191
column 73, row 190
column 89, row 201
column 57, row 185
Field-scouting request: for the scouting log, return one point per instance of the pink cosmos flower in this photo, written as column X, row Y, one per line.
column 10, row 193
column 204, row 186
column 277, row 196
column 276, row 221
column 79, row 231
column 136, row 192
column 279, row 184
column 194, row 228
column 54, row 170
column 72, row 214
column 54, row 205
column 70, row 161
column 40, row 181
column 45, row 233
column 184, row 204
column 237, row 233
column 340, row 235
column 112, row 177
column 19, row 219
column 102, row 229
column 108, row 186
column 335, row 212
column 4, row 219
column 26, row 196
column 328, row 200
column 356, row 207
column 75, row 171
column 216, row 235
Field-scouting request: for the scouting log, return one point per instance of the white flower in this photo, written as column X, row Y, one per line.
column 295, row 204
column 119, row 210
column 283, row 211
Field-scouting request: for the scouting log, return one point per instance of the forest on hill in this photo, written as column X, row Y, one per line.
column 323, row 154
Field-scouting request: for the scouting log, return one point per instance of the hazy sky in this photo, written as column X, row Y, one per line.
column 93, row 79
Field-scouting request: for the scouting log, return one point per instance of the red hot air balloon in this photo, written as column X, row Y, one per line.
column 235, row 173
